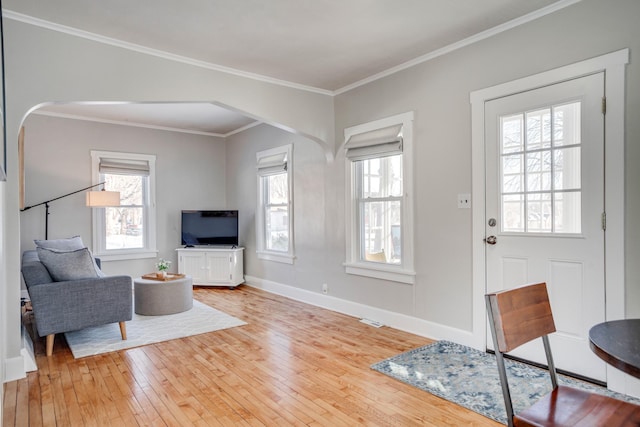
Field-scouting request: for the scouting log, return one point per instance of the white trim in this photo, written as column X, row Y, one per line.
column 381, row 271
column 27, row 352
column 276, row 257
column 391, row 319
column 353, row 264
column 16, row 16
column 613, row 65
column 115, row 255
column 462, row 43
column 14, row 368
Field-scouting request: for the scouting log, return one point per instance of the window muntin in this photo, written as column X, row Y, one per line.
column 541, row 170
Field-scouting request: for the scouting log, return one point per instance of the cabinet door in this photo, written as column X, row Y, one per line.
column 218, row 267
column 193, row 264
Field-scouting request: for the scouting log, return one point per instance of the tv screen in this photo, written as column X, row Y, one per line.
column 209, row 228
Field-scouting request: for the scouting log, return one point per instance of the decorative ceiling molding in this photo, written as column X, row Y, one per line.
column 139, row 125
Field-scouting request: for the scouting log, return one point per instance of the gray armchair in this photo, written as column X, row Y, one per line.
column 65, row 306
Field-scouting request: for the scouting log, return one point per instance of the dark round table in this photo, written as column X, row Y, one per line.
column 618, row 343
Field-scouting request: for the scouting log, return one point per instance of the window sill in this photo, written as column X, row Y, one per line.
column 276, row 257
column 121, row 255
column 384, row 272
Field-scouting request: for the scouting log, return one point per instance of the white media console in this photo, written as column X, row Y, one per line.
column 212, row 266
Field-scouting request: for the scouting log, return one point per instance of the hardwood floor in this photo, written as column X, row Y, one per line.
column 293, row 364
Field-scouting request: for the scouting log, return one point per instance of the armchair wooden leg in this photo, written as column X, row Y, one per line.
column 123, row 330
column 50, row 338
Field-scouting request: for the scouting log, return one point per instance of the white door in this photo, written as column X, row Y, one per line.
column 544, row 206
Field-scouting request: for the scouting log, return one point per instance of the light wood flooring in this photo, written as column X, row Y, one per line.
column 292, row 365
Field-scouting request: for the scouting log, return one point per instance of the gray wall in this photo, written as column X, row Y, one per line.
column 309, row 210
column 190, row 174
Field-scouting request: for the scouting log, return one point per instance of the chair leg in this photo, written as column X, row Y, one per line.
column 123, row 330
column 50, row 338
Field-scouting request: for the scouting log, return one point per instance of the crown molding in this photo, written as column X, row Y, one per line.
column 462, row 43
column 140, row 125
column 27, row 19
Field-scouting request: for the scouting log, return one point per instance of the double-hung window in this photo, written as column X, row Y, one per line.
column 379, row 208
column 274, row 215
column 127, row 231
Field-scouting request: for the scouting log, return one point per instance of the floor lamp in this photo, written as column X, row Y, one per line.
column 95, row 199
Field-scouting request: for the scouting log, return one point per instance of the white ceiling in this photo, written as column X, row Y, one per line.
column 323, row 45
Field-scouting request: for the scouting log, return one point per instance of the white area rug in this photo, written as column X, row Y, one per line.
column 142, row 330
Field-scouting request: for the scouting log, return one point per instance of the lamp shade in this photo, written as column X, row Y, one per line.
column 96, row 199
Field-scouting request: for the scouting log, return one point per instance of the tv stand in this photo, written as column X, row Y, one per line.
column 212, row 266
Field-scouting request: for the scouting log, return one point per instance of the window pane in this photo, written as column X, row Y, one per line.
column 567, row 212
column 277, row 228
column 539, row 171
column 381, row 233
column 277, row 189
column 513, row 213
column 129, row 186
column 567, row 169
column 124, row 227
column 539, row 129
column 512, row 173
column 566, row 125
column 381, row 177
column 512, row 134
column 539, row 212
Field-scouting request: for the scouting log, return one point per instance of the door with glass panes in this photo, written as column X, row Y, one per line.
column 544, row 209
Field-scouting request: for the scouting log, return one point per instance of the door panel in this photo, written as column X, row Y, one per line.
column 545, row 188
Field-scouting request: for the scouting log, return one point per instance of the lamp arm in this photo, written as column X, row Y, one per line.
column 61, row 197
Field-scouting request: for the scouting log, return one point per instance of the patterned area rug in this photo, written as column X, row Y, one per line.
column 142, row 330
column 469, row 378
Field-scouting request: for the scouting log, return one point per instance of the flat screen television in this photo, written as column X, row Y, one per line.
column 201, row 228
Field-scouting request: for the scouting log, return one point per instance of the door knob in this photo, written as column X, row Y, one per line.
column 491, row 240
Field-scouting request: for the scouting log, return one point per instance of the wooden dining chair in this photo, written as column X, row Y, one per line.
column 520, row 315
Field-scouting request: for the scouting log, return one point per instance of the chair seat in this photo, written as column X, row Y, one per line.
column 567, row 406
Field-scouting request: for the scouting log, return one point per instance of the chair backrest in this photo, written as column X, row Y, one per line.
column 520, row 315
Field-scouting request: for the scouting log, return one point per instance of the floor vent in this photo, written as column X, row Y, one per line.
column 373, row 323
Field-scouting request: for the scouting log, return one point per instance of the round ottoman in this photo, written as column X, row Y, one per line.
column 155, row 297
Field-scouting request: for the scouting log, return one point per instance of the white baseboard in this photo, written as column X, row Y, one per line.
column 14, row 368
column 27, row 352
column 399, row 321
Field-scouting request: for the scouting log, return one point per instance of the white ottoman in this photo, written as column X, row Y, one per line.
column 155, row 297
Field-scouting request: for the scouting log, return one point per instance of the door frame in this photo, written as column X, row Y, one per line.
column 613, row 66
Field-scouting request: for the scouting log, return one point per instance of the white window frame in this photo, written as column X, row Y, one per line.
column 99, row 244
column 285, row 152
column 405, row 272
